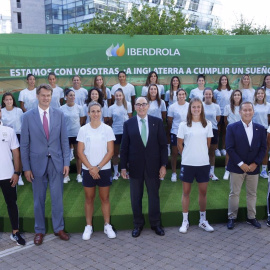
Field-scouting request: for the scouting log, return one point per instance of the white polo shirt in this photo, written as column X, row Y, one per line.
column 8, row 141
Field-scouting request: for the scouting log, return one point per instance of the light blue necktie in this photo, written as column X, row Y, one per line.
column 143, row 132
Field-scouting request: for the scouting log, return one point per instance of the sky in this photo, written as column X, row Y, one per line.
column 252, row 10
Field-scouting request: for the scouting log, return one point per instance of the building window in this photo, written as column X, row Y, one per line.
column 194, row 4
column 19, row 18
column 19, row 5
column 180, row 3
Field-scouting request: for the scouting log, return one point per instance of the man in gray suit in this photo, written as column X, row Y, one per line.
column 45, row 157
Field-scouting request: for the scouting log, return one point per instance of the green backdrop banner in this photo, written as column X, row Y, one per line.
column 89, row 55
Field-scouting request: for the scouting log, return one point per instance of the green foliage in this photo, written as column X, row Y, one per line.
column 157, row 21
column 244, row 27
column 145, row 21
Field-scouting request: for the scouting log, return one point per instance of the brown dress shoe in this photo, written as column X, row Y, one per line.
column 38, row 240
column 62, row 235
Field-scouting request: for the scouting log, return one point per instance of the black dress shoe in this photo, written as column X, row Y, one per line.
column 231, row 224
column 136, row 231
column 158, row 230
column 254, row 222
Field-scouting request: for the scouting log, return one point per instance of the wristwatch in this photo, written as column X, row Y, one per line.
column 99, row 167
column 18, row 173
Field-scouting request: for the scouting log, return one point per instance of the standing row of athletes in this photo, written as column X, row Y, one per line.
column 221, row 108
column 193, row 122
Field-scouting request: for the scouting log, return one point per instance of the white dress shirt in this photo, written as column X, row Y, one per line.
column 41, row 113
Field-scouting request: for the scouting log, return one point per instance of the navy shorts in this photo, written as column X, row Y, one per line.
column 221, row 121
column 104, row 181
column 173, row 139
column 200, row 173
column 72, row 140
column 214, row 140
column 118, row 139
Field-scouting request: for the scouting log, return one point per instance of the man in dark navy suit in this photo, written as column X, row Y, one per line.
column 144, row 148
column 246, row 147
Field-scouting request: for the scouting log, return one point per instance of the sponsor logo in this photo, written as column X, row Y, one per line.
column 115, row 51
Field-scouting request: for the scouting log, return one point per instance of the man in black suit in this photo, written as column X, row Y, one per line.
column 144, row 148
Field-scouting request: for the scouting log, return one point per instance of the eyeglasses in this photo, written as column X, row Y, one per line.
column 141, row 105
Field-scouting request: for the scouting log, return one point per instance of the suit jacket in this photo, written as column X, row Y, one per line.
column 139, row 157
column 238, row 147
column 35, row 147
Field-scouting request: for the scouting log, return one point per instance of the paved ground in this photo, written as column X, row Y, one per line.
column 242, row 248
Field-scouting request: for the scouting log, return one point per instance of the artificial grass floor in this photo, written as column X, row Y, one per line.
column 170, row 203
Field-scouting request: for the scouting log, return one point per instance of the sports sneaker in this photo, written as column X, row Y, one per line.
column 20, row 182
column 109, row 231
column 66, row 179
column 254, row 222
column 116, row 176
column 174, row 177
column 268, row 221
column 223, row 152
column 79, row 178
column 161, row 178
column 71, row 154
column 169, row 150
column 264, row 174
column 17, row 238
column 205, row 225
column 226, row 175
column 213, row 177
column 88, row 230
column 217, row 153
column 184, row 227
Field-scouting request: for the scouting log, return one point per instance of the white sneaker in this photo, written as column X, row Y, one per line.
column 217, row 153
column 264, row 174
column 184, row 227
column 20, row 182
column 109, row 231
column 226, row 175
column 205, row 225
column 169, row 150
column 79, row 178
column 87, row 232
column 213, row 177
column 223, row 152
column 71, row 154
column 161, row 178
column 174, row 177
column 116, row 176
column 66, row 179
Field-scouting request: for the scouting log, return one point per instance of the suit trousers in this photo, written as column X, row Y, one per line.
column 136, row 194
column 236, row 182
column 39, row 185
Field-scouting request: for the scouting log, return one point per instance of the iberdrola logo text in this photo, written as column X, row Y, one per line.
column 115, row 51
column 120, row 51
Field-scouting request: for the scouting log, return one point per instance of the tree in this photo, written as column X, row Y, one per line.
column 244, row 27
column 144, row 20
column 157, row 20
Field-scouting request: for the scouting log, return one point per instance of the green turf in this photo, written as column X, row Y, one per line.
column 121, row 215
